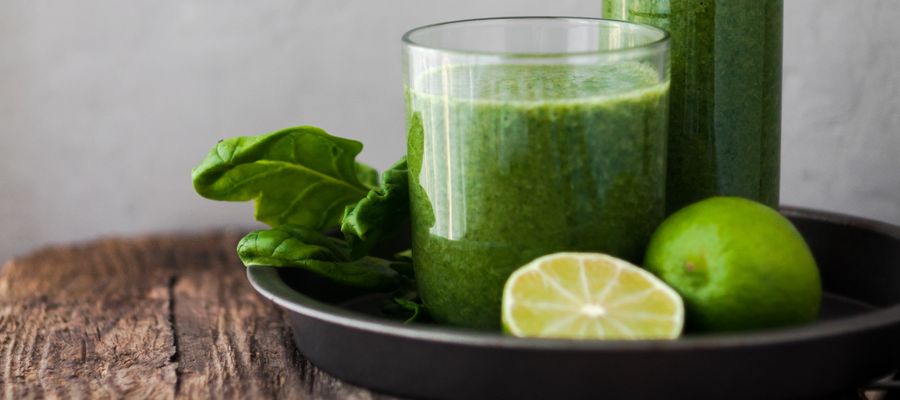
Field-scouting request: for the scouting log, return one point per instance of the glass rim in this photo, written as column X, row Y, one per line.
column 662, row 41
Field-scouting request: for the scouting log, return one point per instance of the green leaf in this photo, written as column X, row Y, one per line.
column 411, row 306
column 407, row 305
column 381, row 214
column 367, row 175
column 405, row 255
column 301, row 175
column 422, row 213
column 300, row 247
column 404, row 264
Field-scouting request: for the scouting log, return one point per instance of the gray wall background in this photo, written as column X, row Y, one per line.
column 106, row 105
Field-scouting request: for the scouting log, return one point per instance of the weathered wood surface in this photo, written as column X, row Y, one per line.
column 157, row 317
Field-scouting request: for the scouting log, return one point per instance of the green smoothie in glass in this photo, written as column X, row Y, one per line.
column 511, row 161
column 725, row 103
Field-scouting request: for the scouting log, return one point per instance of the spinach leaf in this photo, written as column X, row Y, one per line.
column 300, row 247
column 301, row 175
column 367, row 175
column 407, row 306
column 423, row 213
column 404, row 255
column 381, row 214
column 416, row 309
column 301, row 180
column 405, row 264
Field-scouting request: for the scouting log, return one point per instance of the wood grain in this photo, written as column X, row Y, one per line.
column 160, row 317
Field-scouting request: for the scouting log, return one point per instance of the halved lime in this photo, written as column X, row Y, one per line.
column 589, row 296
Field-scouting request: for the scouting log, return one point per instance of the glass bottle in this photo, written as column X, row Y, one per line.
column 725, row 100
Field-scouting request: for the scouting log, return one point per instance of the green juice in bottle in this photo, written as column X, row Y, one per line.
column 725, row 98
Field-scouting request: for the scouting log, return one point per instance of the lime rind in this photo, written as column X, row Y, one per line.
column 738, row 265
column 589, row 296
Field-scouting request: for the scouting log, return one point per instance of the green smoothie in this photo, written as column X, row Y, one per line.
column 725, row 111
column 575, row 163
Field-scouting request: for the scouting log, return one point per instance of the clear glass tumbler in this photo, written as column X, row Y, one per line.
column 529, row 136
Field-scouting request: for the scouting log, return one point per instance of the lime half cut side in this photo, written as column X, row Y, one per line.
column 589, row 296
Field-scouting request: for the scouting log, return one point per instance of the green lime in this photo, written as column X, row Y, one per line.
column 589, row 296
column 738, row 265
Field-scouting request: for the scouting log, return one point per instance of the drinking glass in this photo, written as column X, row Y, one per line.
column 529, row 136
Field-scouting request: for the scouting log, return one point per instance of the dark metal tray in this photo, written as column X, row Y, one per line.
column 855, row 341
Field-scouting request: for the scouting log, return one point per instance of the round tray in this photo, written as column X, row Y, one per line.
column 855, row 341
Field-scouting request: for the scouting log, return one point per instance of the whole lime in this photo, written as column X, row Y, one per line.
column 738, row 265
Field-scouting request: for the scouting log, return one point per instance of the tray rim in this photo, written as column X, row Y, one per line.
column 267, row 281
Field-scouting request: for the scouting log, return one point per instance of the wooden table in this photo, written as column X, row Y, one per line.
column 148, row 317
